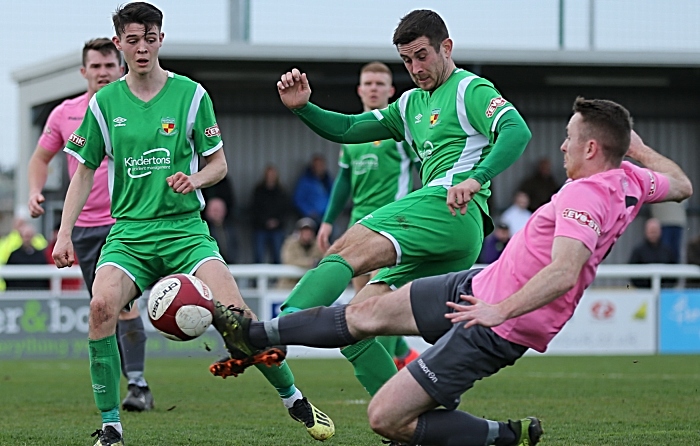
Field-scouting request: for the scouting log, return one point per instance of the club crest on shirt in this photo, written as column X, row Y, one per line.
column 434, row 117
column 167, row 127
column 493, row 105
column 583, row 218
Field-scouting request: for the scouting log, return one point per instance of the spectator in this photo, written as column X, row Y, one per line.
column 541, row 185
column 494, row 244
column 224, row 190
column 270, row 207
column 672, row 216
column 27, row 254
column 652, row 250
column 517, row 214
column 219, row 227
column 300, row 249
column 13, row 241
column 314, row 190
column 694, row 259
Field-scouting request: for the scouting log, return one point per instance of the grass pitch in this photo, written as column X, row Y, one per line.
column 647, row 400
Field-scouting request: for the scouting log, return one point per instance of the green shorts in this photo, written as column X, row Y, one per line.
column 151, row 249
column 427, row 238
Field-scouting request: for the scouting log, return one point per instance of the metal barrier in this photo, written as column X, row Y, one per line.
column 264, row 273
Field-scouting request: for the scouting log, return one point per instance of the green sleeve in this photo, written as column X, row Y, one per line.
column 345, row 129
column 339, row 195
column 512, row 136
column 205, row 131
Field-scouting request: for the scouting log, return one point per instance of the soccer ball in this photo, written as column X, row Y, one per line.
column 180, row 307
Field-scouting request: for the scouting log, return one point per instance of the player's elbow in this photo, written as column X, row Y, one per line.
column 685, row 189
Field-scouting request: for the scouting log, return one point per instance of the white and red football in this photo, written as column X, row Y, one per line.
column 180, row 306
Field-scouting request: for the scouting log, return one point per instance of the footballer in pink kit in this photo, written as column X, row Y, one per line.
column 101, row 65
column 62, row 122
column 595, row 211
column 494, row 315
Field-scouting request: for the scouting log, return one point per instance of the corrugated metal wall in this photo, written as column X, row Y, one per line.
column 254, row 141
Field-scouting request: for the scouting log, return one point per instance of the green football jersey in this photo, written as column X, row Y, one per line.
column 380, row 172
column 146, row 142
column 451, row 128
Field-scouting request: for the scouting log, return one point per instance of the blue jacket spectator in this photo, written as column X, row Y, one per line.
column 313, row 190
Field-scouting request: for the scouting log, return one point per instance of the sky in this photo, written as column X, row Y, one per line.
column 33, row 31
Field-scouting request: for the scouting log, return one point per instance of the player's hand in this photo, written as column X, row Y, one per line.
column 181, row 183
column 323, row 236
column 478, row 313
column 460, row 195
column 294, row 89
column 34, row 205
column 636, row 145
column 63, row 254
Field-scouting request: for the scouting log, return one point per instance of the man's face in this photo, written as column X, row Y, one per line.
column 652, row 230
column 574, row 147
column 425, row 65
column 140, row 47
column 375, row 89
column 100, row 69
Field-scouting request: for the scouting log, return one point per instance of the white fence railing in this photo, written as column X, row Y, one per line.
column 264, row 273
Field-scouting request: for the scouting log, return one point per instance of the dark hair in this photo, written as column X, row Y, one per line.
column 141, row 13
column 421, row 23
column 607, row 122
column 376, row 67
column 103, row 45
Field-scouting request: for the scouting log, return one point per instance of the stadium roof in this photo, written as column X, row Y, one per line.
column 299, row 53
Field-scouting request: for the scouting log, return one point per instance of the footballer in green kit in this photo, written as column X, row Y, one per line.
column 464, row 132
column 374, row 174
column 152, row 125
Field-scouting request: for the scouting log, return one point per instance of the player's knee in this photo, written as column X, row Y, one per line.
column 378, row 421
column 101, row 312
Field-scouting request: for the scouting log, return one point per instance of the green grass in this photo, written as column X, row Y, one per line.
column 581, row 401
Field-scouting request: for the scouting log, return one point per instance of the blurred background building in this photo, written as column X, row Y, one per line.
column 541, row 54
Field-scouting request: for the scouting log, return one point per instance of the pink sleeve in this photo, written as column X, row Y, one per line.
column 579, row 211
column 655, row 185
column 51, row 138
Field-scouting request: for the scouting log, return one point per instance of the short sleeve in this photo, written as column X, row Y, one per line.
column 51, row 138
column 485, row 106
column 87, row 143
column 579, row 212
column 206, row 134
column 344, row 157
column 655, row 186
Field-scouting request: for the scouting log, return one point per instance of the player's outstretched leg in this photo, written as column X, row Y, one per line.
column 234, row 326
column 231, row 323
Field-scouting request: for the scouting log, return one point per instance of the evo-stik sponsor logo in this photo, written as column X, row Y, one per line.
column 145, row 164
column 431, row 376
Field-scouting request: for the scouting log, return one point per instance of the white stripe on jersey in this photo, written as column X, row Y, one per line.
column 404, row 178
column 498, row 116
column 403, row 102
column 475, row 141
column 191, row 116
column 104, row 129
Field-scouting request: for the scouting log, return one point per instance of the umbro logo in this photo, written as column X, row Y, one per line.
column 418, row 118
column 119, row 121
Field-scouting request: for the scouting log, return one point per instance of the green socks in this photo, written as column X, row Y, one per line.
column 280, row 377
column 373, row 365
column 396, row 346
column 105, row 372
column 320, row 286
